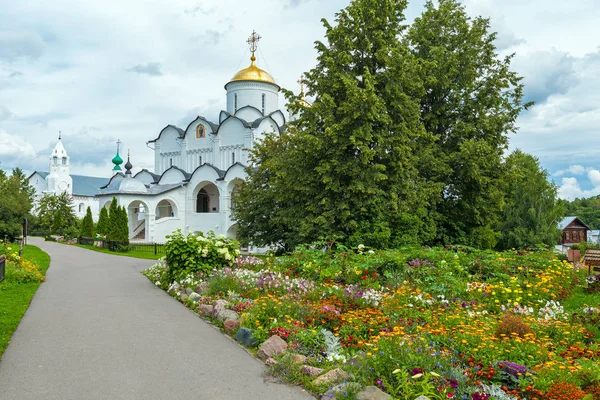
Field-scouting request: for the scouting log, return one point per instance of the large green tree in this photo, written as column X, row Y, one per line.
column 347, row 167
column 118, row 226
column 56, row 214
column 532, row 211
column 87, row 225
column 469, row 100
column 16, row 202
column 102, row 225
column 588, row 209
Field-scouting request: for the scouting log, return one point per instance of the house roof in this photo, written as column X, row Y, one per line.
column 569, row 220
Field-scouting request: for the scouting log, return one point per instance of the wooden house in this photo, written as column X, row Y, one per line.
column 573, row 230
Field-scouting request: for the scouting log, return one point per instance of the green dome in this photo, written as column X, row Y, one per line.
column 117, row 161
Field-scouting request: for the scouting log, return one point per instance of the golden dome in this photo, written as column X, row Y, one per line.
column 253, row 73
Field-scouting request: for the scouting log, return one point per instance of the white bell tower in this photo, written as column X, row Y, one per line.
column 59, row 180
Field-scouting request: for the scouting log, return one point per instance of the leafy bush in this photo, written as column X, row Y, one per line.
column 199, row 253
column 512, row 324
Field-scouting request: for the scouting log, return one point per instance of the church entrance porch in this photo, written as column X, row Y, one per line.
column 207, row 198
column 137, row 214
column 165, row 209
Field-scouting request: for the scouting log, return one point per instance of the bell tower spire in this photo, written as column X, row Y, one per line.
column 60, row 180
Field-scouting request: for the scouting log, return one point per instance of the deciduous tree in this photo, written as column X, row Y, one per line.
column 470, row 100
column 532, row 209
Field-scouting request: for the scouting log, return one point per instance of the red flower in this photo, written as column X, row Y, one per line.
column 364, row 278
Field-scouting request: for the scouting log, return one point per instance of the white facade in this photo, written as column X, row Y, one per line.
column 196, row 169
column 59, row 180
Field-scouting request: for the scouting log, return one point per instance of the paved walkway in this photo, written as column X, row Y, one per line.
column 98, row 329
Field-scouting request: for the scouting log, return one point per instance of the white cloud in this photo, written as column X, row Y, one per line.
column 69, row 59
column 573, row 169
column 571, row 187
column 14, row 150
column 15, row 45
column 152, row 69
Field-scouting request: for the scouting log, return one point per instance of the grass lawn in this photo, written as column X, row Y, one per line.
column 134, row 254
column 15, row 297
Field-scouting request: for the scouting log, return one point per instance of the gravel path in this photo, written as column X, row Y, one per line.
column 98, row 329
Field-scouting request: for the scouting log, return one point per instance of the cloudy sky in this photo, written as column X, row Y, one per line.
column 105, row 70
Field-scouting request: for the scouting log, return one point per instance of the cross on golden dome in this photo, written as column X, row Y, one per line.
column 253, row 43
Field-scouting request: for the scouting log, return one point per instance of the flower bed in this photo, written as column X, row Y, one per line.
column 444, row 323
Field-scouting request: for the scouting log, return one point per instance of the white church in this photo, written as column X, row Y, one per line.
column 196, row 169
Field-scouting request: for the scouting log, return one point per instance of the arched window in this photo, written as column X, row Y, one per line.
column 264, row 97
column 170, row 162
column 81, row 207
column 202, row 202
column 64, row 161
column 55, row 160
column 200, row 131
column 233, row 158
column 200, row 160
column 235, row 103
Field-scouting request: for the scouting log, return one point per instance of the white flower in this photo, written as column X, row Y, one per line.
column 371, row 252
column 157, row 283
column 361, row 247
column 221, row 236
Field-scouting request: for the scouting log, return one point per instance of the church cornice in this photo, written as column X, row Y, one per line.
column 199, row 151
column 171, row 153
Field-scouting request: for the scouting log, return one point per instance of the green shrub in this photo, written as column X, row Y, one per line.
column 201, row 253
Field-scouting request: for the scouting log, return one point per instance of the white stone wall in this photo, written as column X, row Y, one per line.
column 250, row 94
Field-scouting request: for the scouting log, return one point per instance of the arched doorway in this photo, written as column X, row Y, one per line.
column 207, row 199
column 137, row 213
column 232, row 189
column 165, row 209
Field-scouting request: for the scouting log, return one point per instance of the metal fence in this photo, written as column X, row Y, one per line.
column 155, row 248
column 150, row 248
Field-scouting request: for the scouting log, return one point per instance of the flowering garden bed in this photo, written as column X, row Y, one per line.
column 444, row 323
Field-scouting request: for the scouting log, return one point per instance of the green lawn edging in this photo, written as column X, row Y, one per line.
column 16, row 297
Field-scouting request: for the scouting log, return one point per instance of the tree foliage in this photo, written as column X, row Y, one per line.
column 587, row 209
column 87, row 225
column 532, row 209
column 16, row 201
column 404, row 143
column 348, row 167
column 56, row 215
column 118, row 225
column 470, row 101
column 102, row 225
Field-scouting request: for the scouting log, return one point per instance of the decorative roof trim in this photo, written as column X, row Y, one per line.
column 257, row 123
column 213, row 126
column 249, row 106
column 111, row 179
column 178, row 129
column 186, row 176
column 237, row 164
column 244, row 123
column 151, row 174
column 280, row 113
column 220, row 173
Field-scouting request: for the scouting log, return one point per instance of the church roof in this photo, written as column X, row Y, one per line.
column 87, row 185
column 151, row 191
column 254, row 74
column 83, row 185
